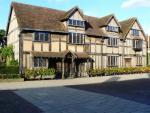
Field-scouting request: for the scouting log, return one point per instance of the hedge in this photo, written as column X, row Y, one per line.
column 9, row 70
column 9, row 76
column 118, row 71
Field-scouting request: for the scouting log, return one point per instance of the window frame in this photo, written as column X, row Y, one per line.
column 112, row 29
column 137, row 44
column 135, row 32
column 40, row 62
column 76, row 23
column 113, row 42
column 139, row 61
column 45, row 37
column 112, row 61
column 76, row 38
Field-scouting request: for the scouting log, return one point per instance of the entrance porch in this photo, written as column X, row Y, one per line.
column 67, row 64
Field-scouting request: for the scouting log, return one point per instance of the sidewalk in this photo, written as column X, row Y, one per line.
column 66, row 82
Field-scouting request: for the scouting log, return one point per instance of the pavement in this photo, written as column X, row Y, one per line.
column 85, row 95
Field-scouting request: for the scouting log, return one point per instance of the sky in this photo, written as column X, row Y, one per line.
column 123, row 9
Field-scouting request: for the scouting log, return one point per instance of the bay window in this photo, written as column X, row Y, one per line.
column 137, row 44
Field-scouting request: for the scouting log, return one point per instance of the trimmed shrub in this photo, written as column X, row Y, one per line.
column 118, row 71
column 9, row 70
column 39, row 73
column 9, row 76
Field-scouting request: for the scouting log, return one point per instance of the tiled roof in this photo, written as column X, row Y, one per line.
column 126, row 26
column 41, row 18
column 80, row 55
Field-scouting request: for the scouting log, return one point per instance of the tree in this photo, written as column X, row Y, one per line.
column 2, row 38
column 7, row 53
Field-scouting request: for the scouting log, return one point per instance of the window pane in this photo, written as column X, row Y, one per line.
column 44, row 62
column 78, row 38
column 70, row 22
column 70, row 38
column 74, row 22
column 78, row 23
column 35, row 62
column 46, row 36
column 36, row 38
column 82, row 24
column 42, row 36
column 74, row 37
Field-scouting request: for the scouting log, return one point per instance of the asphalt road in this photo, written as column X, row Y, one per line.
column 131, row 96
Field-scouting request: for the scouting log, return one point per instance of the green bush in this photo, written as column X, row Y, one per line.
column 14, row 63
column 116, row 71
column 39, row 73
column 9, row 70
column 9, row 76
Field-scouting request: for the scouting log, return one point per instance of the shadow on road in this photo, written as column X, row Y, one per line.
column 12, row 103
column 133, row 90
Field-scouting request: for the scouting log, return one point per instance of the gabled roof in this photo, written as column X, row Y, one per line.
column 47, row 19
column 35, row 17
column 69, row 13
column 104, row 21
column 31, row 17
column 126, row 26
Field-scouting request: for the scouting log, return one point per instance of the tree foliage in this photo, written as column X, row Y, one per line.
column 7, row 51
column 2, row 33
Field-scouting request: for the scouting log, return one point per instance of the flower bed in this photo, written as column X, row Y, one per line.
column 40, row 73
column 118, row 71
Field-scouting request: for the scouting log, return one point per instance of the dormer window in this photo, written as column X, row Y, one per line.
column 135, row 32
column 77, row 23
column 112, row 29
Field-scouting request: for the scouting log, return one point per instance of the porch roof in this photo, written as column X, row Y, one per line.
column 80, row 55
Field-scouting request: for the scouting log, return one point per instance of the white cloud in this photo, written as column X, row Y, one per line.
column 135, row 3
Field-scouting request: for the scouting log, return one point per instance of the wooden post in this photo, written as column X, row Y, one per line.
column 72, row 67
column 63, row 65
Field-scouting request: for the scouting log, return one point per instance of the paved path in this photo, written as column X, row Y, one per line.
column 77, row 81
column 130, row 96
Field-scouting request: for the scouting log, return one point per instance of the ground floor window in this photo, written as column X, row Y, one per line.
column 139, row 61
column 39, row 62
column 112, row 61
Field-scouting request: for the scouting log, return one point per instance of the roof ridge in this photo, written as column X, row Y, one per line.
column 131, row 18
column 19, row 3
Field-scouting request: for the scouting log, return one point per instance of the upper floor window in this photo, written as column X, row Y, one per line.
column 112, row 29
column 137, row 44
column 112, row 61
column 76, row 38
column 40, row 36
column 112, row 41
column 76, row 23
column 135, row 32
